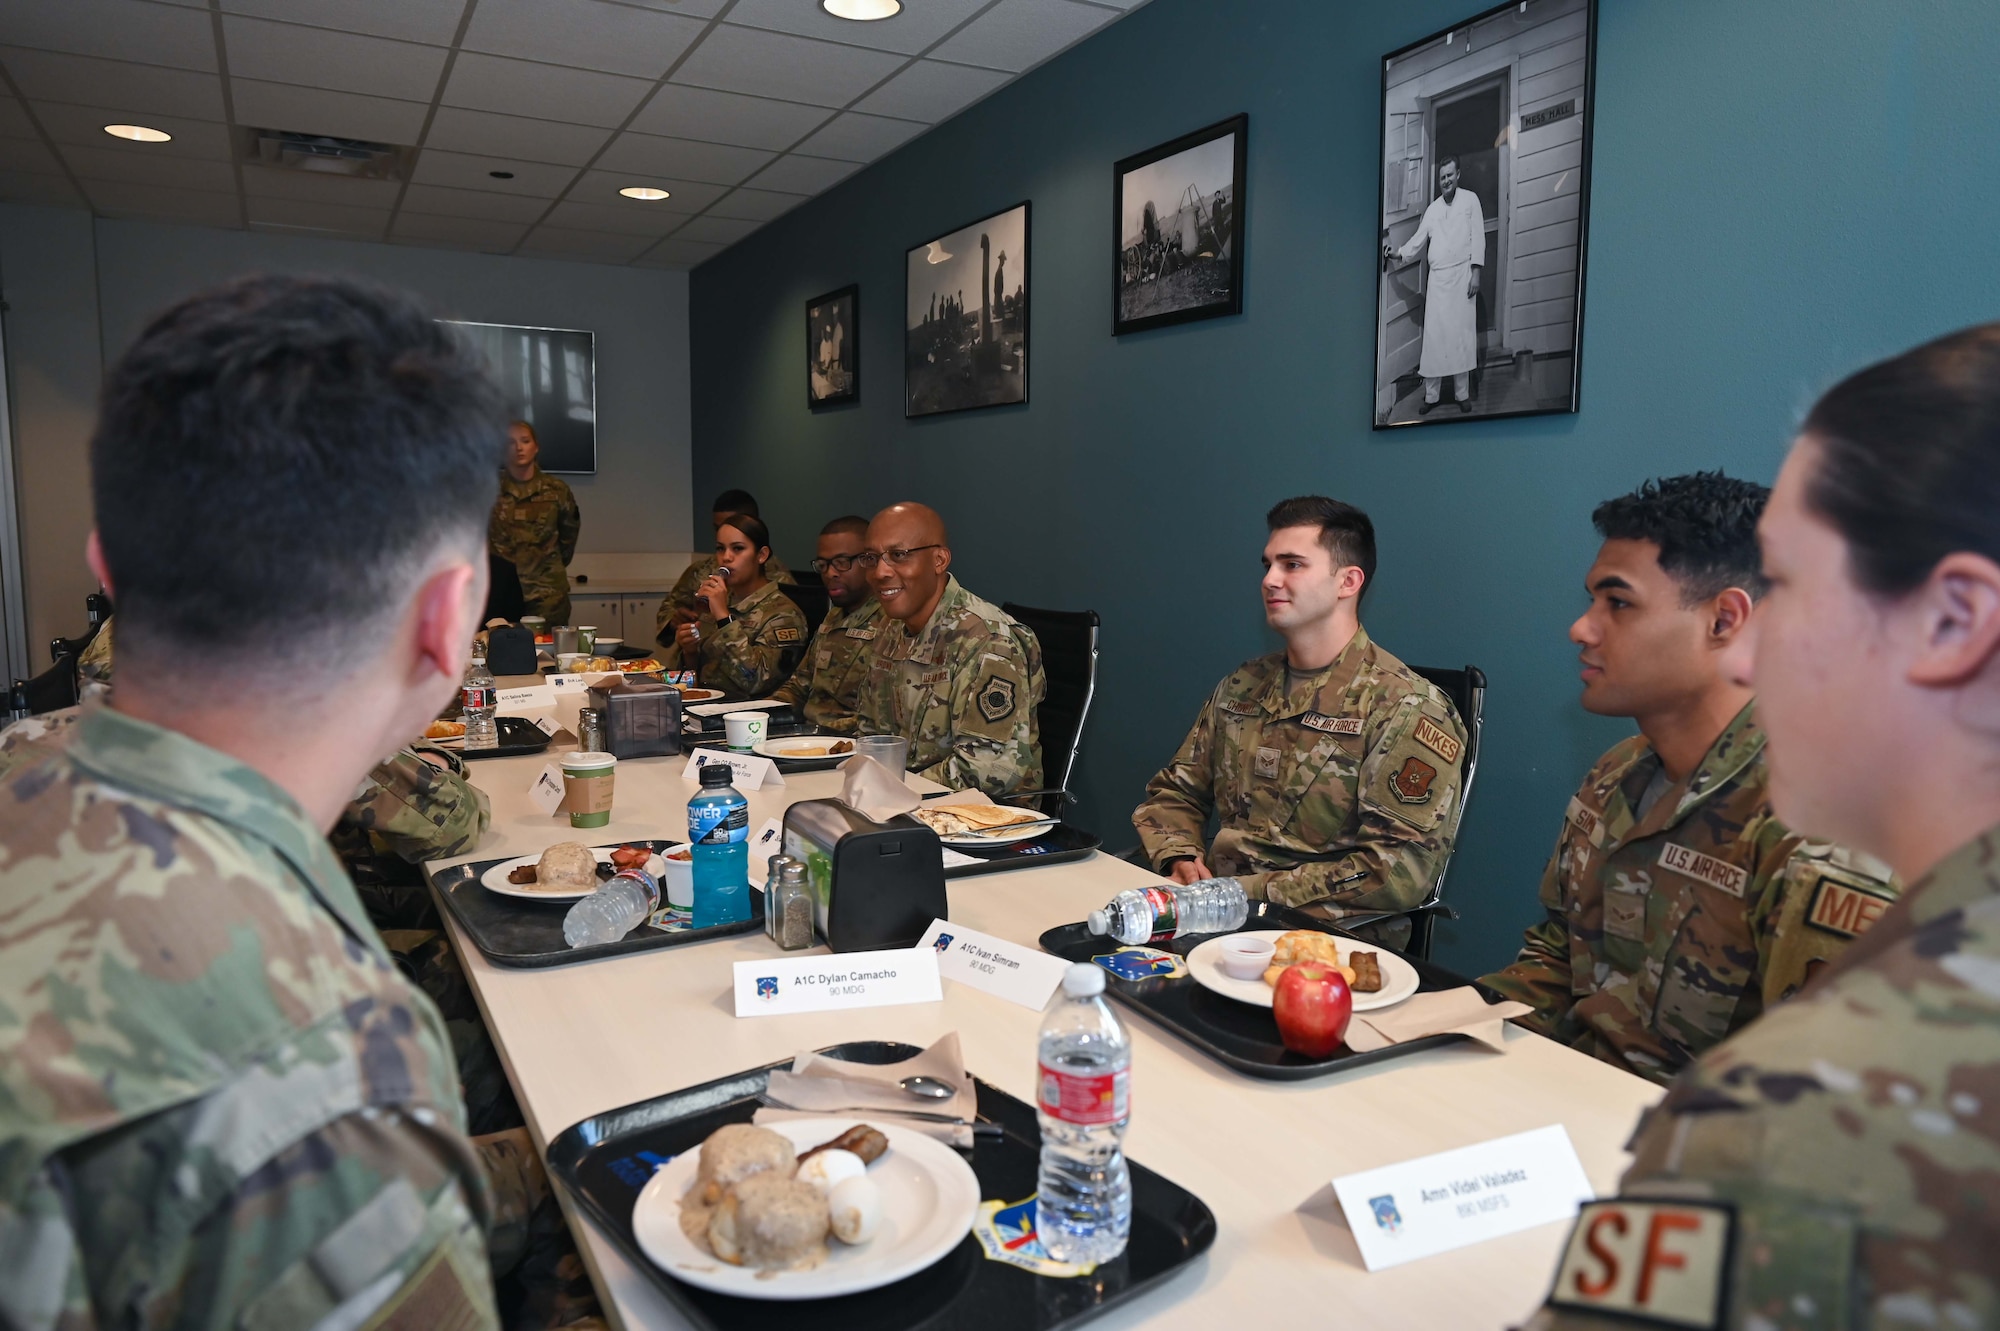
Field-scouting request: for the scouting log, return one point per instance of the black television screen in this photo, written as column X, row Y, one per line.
column 550, row 378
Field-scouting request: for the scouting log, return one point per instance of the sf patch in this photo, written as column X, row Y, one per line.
column 1412, row 781
column 786, row 635
column 996, row 698
column 1656, row 1263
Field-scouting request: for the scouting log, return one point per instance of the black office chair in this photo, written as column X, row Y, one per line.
column 96, row 610
column 57, row 687
column 812, row 602
column 1467, row 690
column 1069, row 660
column 808, row 578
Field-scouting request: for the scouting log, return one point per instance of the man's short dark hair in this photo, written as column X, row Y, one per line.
column 735, row 501
column 1344, row 530
column 273, row 461
column 1444, row 162
column 851, row 525
column 1705, row 525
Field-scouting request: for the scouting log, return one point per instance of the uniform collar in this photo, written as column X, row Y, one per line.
column 507, row 478
column 1325, row 692
column 1740, row 744
column 756, row 598
column 928, row 645
column 849, row 617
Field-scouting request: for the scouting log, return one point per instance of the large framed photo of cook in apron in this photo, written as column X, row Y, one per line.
column 1484, row 206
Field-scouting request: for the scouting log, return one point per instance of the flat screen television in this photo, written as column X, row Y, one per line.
column 550, row 378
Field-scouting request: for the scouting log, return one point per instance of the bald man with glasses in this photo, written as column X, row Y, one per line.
column 952, row 673
column 827, row 683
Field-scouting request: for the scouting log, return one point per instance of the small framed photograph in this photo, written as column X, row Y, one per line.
column 965, row 317
column 833, row 347
column 1484, row 206
column 1178, row 210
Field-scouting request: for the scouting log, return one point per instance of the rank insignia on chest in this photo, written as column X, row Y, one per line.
column 822, row 658
column 1264, row 764
column 1332, row 725
column 785, row 635
column 1704, row 868
column 1437, row 739
column 1847, row 911
column 1412, row 782
column 1658, row 1263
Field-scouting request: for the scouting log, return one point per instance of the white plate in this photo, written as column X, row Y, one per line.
column 929, row 1199
column 801, row 748
column 1399, row 978
column 999, row 836
column 495, row 878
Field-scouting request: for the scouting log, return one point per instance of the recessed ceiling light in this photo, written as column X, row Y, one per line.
column 862, row 11
column 138, row 133
column 646, row 192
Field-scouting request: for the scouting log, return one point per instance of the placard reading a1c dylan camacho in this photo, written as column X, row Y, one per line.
column 778, row 985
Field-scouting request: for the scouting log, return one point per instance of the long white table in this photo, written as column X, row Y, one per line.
column 582, row 1039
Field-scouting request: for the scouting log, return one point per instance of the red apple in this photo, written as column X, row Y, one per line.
column 1313, row 1006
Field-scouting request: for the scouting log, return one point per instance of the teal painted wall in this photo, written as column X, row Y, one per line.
column 1783, row 190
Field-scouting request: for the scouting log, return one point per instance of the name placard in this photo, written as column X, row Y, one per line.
column 1439, row 1202
column 1013, row 971
column 777, row 986
column 545, row 792
column 770, row 839
column 753, row 772
column 568, row 684
column 533, row 698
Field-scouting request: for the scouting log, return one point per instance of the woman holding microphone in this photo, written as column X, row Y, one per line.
column 749, row 635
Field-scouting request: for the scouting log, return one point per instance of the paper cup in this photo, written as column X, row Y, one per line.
column 586, row 639
column 679, row 878
column 744, row 730
column 536, row 625
column 587, row 784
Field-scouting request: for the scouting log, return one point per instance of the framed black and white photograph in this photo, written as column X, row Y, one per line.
column 833, row 348
column 965, row 324
column 1178, row 210
column 1484, row 206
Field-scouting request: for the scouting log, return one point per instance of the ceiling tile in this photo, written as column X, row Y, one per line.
column 638, row 220
column 490, row 83
column 458, row 130
column 1127, row 5
column 909, row 32
column 30, row 155
column 180, row 205
column 298, row 213
column 465, row 171
column 716, row 230
column 930, row 91
column 755, row 205
column 689, row 8
column 345, row 115
column 726, row 117
column 85, row 125
column 319, row 187
column 644, row 154
column 853, row 137
column 689, row 196
column 772, row 64
column 469, row 232
column 671, row 253
column 37, row 187
column 589, row 34
column 59, row 77
column 477, row 204
column 802, row 175
column 342, row 61
column 1015, row 34
column 584, row 244
column 139, row 168
column 14, row 122
column 433, row 21
column 117, row 30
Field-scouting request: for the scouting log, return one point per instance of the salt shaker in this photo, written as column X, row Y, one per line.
column 590, row 731
column 788, row 907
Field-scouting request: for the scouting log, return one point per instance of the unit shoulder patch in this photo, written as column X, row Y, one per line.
column 1332, row 725
column 786, row 635
column 1412, row 782
column 1843, row 909
column 1659, row 1263
column 996, row 698
column 1437, row 739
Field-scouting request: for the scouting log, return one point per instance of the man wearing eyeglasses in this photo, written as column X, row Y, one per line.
column 827, row 683
column 952, row 673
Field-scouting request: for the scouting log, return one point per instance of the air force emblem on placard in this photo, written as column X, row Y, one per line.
column 767, row 987
column 1386, row 1214
column 996, row 698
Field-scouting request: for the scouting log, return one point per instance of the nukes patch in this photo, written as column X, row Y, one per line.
column 1437, row 739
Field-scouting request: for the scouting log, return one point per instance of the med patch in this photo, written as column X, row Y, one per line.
column 996, row 698
column 1842, row 909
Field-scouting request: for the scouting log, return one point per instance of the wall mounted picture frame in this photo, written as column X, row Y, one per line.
column 965, row 317
column 1177, row 218
column 1484, row 213
column 833, row 348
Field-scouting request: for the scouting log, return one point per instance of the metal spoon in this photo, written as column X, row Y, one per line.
column 928, row 1088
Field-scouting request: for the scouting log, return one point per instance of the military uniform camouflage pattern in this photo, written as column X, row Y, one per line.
column 1835, row 1164
column 963, row 692
column 1666, row 934
column 220, row 1102
column 1354, row 770
column 746, row 657
column 95, row 663
column 535, row 524
column 682, row 595
column 36, row 737
column 828, row 682
column 408, row 810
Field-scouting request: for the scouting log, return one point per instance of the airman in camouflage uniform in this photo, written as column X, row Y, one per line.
column 95, row 663
column 827, row 684
column 1666, row 933
column 682, row 598
column 963, row 691
column 746, row 656
column 1352, row 770
column 1832, row 1166
column 232, row 1107
column 414, row 807
column 535, row 526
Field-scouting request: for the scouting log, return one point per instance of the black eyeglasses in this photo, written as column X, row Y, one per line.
column 839, row 564
column 899, row 557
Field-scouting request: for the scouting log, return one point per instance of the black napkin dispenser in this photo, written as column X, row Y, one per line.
column 510, row 651
column 642, row 717
column 874, row 885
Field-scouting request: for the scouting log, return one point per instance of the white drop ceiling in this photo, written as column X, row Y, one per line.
column 742, row 109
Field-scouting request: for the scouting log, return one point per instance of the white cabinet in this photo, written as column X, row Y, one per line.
column 640, row 611
column 606, row 612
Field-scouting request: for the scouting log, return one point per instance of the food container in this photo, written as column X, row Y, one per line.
column 679, row 876
column 588, row 779
column 1245, row 958
column 570, row 662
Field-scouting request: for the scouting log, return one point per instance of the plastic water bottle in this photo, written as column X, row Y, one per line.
column 613, row 910
column 1168, row 910
column 719, row 830
column 1083, row 1201
column 479, row 699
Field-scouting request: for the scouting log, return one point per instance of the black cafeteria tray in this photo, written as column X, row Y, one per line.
column 513, row 931
column 605, row 1160
column 518, row 735
column 700, row 730
column 1240, row 1034
column 1059, row 845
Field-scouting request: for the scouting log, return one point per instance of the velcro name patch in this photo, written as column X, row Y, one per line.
column 1332, row 725
column 1704, row 868
column 1437, row 739
column 786, row 635
column 1586, row 821
column 865, row 632
column 1661, row 1263
column 1837, row 908
column 935, row 677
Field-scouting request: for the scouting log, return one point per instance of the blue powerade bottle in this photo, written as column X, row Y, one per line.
column 719, row 829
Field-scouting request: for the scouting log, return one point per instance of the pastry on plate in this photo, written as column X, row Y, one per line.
column 770, row 1221
column 445, row 730
column 567, row 866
